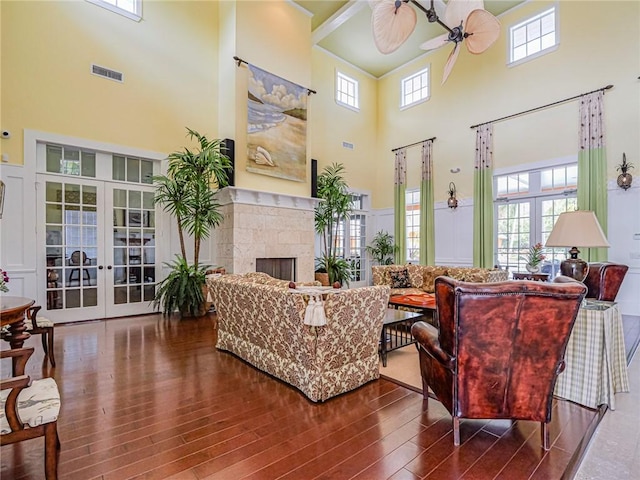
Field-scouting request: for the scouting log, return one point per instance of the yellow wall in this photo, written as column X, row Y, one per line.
column 168, row 59
column 334, row 124
column 598, row 46
column 275, row 37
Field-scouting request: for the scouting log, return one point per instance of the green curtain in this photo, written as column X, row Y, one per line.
column 399, row 205
column 483, row 245
column 592, row 168
column 427, row 223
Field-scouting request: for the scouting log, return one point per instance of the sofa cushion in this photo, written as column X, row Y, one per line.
column 415, row 275
column 429, row 277
column 400, row 279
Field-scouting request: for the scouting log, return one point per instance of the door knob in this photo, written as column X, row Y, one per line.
column 109, row 267
column 100, row 267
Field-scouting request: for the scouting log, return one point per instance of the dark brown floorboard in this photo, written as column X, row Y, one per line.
column 151, row 398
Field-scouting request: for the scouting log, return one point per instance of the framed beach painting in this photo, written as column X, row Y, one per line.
column 276, row 126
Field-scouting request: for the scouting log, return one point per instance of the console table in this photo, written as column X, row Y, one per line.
column 596, row 366
column 540, row 277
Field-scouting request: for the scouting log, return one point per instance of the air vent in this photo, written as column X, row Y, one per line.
column 107, row 73
column 347, row 145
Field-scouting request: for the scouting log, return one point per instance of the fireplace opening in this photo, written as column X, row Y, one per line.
column 282, row 268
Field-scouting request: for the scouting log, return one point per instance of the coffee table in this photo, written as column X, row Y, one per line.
column 396, row 331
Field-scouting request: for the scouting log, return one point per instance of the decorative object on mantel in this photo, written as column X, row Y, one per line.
column 580, row 227
column 276, row 126
column 624, row 179
column 336, row 208
column 534, row 258
column 393, row 21
column 452, row 201
column 185, row 193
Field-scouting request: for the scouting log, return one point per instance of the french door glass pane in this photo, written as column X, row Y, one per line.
column 71, row 226
column 133, row 246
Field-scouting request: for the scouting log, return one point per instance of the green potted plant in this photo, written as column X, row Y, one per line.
column 382, row 248
column 334, row 208
column 188, row 193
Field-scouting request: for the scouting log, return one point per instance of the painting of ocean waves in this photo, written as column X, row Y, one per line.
column 276, row 126
column 262, row 116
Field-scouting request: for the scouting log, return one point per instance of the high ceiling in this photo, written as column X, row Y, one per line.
column 344, row 29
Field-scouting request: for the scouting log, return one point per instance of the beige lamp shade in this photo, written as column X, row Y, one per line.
column 577, row 229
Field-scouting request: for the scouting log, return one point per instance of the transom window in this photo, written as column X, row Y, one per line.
column 415, row 88
column 129, row 8
column 347, row 91
column 534, row 36
column 70, row 161
column 412, row 225
column 527, row 206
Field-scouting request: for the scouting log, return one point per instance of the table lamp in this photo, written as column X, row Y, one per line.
column 576, row 228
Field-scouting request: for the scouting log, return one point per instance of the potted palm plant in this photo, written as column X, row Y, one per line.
column 188, row 193
column 334, row 208
column 382, row 248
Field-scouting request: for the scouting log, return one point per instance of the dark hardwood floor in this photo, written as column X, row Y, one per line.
column 149, row 397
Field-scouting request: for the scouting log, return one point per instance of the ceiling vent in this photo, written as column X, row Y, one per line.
column 107, row 73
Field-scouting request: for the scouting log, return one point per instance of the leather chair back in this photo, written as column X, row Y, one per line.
column 499, row 347
column 604, row 280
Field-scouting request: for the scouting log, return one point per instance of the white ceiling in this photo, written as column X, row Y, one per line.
column 344, row 29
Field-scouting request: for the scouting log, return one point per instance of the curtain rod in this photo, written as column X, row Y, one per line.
column 412, row 144
column 543, row 106
column 240, row 61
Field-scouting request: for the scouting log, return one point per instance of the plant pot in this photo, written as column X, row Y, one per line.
column 533, row 268
column 323, row 278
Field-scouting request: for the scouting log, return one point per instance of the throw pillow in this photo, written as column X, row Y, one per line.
column 400, row 279
column 415, row 275
column 429, row 278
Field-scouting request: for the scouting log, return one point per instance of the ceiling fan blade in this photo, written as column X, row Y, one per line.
column 453, row 56
column 483, row 29
column 391, row 26
column 436, row 42
column 457, row 11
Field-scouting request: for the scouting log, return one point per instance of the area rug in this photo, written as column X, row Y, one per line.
column 403, row 367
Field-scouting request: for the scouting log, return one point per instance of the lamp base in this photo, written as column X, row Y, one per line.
column 575, row 268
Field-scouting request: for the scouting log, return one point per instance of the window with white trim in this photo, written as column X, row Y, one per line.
column 415, row 88
column 129, row 8
column 347, row 91
column 527, row 205
column 533, row 37
column 412, row 225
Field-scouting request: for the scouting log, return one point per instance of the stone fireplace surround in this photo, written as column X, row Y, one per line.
column 264, row 225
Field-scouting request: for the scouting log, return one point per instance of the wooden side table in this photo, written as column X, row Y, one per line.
column 539, row 277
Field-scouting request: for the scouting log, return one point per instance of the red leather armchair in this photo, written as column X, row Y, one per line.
column 499, row 348
column 603, row 280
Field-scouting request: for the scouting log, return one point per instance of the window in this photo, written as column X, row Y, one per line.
column 412, row 225
column 526, row 208
column 132, row 170
column 533, row 37
column 347, row 91
column 129, row 8
column 70, row 161
column 351, row 236
column 415, row 88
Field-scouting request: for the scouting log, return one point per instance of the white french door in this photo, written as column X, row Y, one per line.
column 96, row 240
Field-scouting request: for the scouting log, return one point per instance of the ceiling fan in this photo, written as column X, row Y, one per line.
column 393, row 21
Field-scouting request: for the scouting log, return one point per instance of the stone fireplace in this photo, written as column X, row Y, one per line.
column 264, row 225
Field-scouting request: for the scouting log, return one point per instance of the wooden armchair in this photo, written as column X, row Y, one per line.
column 44, row 327
column 603, row 280
column 30, row 410
column 499, row 348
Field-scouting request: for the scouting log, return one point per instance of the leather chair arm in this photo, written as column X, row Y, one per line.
column 427, row 337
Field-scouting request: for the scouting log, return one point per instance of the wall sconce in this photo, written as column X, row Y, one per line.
column 624, row 179
column 452, row 201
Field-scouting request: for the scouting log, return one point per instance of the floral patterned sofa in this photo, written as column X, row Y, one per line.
column 415, row 279
column 261, row 321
